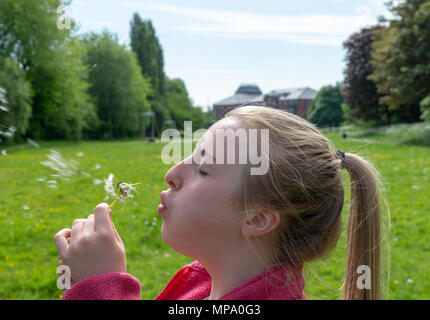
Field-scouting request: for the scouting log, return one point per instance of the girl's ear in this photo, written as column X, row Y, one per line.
column 260, row 222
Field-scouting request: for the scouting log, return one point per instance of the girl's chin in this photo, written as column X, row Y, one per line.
column 175, row 245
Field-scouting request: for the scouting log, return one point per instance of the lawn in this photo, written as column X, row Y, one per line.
column 31, row 213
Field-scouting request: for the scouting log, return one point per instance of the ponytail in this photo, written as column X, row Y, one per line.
column 362, row 276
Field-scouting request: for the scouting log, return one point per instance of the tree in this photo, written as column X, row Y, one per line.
column 16, row 97
column 149, row 53
column 118, row 88
column 180, row 106
column 326, row 108
column 359, row 92
column 401, row 61
column 52, row 59
column 61, row 107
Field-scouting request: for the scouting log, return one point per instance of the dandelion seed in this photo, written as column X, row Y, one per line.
column 9, row 133
column 97, row 182
column 52, row 184
column 25, row 207
column 410, row 281
column 80, row 154
column 3, row 100
column 154, row 224
column 97, row 167
column 396, row 281
column 32, row 143
column 63, row 168
column 166, row 255
column 40, row 179
column 109, row 188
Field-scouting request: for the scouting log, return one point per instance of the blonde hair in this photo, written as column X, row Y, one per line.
column 304, row 183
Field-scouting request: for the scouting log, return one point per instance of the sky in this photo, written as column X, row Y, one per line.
column 215, row 46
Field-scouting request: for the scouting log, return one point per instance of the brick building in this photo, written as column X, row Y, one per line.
column 294, row 100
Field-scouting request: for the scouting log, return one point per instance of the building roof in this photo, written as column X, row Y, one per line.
column 249, row 89
column 294, row 94
column 245, row 93
column 249, row 93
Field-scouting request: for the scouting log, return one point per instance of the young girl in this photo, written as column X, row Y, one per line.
column 250, row 235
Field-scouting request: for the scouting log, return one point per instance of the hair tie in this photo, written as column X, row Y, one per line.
column 341, row 155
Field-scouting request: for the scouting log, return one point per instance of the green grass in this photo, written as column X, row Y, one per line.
column 404, row 133
column 28, row 257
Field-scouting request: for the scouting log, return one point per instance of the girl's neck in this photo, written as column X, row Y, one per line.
column 230, row 272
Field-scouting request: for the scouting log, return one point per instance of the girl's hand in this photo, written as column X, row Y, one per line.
column 92, row 246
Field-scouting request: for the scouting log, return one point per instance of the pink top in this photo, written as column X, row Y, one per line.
column 191, row 282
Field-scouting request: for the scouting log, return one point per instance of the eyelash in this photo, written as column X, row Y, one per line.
column 202, row 173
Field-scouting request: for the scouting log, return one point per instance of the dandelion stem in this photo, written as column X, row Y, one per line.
column 115, row 201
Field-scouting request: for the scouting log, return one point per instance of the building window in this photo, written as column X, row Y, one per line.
column 293, row 106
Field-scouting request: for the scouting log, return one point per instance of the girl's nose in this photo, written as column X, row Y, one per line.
column 172, row 184
column 173, row 177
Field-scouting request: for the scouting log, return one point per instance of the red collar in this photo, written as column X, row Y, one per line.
column 193, row 282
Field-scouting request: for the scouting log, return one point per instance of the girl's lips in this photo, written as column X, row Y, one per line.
column 162, row 207
column 163, row 198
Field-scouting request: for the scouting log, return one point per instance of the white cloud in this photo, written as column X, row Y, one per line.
column 320, row 29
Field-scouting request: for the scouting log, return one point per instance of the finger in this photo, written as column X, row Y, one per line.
column 61, row 242
column 117, row 237
column 102, row 219
column 77, row 229
column 89, row 224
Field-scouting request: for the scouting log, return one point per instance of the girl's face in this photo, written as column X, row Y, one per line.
column 200, row 221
